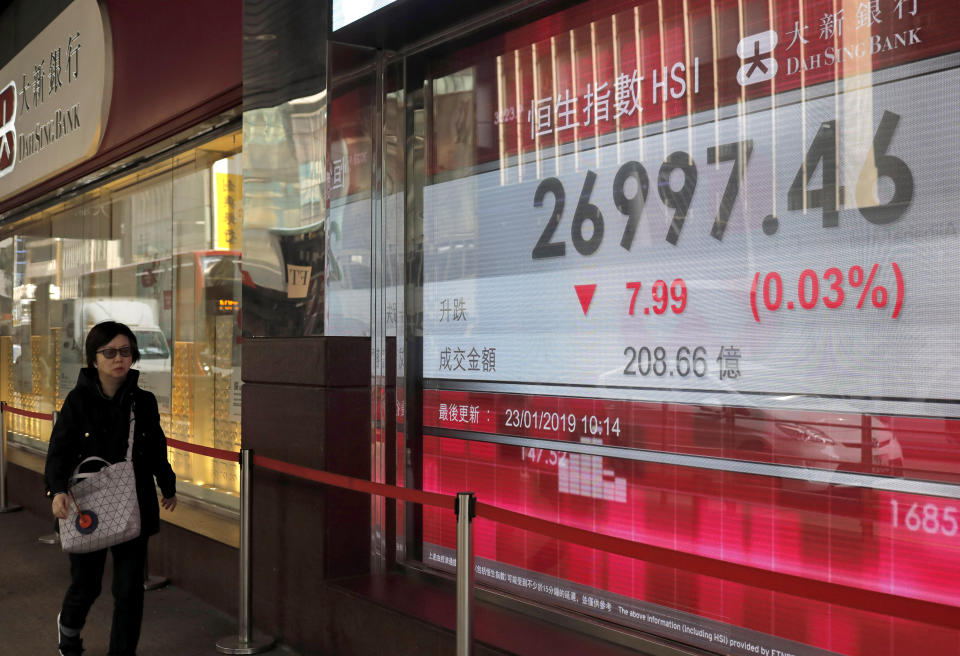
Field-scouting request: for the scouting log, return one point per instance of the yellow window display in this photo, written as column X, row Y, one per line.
column 159, row 250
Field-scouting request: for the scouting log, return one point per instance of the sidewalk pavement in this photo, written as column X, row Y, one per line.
column 34, row 578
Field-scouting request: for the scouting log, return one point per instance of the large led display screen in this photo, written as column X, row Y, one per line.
column 689, row 279
column 793, row 245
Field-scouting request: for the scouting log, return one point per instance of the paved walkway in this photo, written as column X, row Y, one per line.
column 34, row 577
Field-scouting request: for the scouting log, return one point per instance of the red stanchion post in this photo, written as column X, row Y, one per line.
column 245, row 642
column 4, row 506
column 466, row 509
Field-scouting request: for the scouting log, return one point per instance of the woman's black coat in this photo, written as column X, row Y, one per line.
column 90, row 424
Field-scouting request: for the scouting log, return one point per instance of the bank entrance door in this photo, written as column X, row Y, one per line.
column 364, row 290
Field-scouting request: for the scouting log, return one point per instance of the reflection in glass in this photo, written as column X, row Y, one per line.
column 152, row 345
column 285, row 193
column 152, row 250
column 662, row 249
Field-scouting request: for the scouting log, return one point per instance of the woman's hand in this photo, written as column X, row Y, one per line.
column 169, row 504
column 61, row 505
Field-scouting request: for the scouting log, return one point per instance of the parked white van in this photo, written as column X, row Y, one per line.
column 140, row 314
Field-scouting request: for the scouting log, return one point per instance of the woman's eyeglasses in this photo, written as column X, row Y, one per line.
column 111, row 353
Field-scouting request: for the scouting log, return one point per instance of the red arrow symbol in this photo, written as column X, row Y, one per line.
column 585, row 294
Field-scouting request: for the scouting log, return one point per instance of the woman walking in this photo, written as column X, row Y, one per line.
column 95, row 421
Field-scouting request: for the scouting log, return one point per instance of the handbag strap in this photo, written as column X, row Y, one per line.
column 77, row 475
column 76, row 505
column 130, row 436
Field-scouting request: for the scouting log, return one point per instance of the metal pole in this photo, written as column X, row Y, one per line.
column 51, row 538
column 4, row 506
column 466, row 509
column 245, row 642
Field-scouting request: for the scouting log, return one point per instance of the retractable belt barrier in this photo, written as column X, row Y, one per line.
column 358, row 484
column 46, row 416
column 835, row 593
column 219, row 454
column 884, row 603
column 46, row 538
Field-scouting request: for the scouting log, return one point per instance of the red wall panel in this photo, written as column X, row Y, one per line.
column 175, row 64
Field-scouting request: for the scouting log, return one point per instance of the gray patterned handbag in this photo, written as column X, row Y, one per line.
column 104, row 509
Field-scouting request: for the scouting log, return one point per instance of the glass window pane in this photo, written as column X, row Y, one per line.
column 158, row 250
column 676, row 264
column 285, row 197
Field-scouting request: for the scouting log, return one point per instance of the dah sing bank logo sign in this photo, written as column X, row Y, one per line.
column 54, row 106
column 8, row 129
column 756, row 53
column 821, row 42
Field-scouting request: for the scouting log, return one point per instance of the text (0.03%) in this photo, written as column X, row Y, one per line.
column 769, row 291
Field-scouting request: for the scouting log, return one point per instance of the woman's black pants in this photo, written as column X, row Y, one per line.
column 86, row 573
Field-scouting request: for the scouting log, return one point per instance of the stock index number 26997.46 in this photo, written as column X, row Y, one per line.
column 821, row 156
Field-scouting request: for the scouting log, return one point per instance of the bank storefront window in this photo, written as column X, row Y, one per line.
column 688, row 279
column 159, row 250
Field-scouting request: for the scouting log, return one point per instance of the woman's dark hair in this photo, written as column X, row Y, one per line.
column 102, row 334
